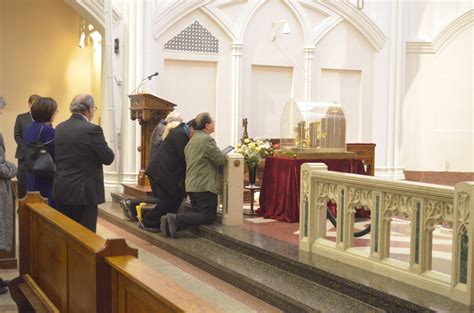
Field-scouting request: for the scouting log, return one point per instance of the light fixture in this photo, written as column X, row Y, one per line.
column 280, row 25
column 96, row 39
column 82, row 40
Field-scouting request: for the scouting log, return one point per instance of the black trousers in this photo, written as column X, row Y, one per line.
column 84, row 215
column 150, row 199
column 168, row 202
column 204, row 210
column 21, row 176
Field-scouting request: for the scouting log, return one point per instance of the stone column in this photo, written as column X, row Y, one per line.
column 236, row 90
column 308, row 70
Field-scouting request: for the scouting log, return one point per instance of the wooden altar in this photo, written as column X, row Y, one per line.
column 148, row 109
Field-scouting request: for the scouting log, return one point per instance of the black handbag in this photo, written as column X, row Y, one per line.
column 38, row 160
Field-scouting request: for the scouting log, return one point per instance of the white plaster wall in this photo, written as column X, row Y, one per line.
column 189, row 79
column 438, row 109
column 357, row 57
column 283, row 56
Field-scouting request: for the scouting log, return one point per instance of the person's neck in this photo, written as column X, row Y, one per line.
column 83, row 116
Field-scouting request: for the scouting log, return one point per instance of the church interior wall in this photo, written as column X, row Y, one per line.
column 40, row 54
column 438, row 111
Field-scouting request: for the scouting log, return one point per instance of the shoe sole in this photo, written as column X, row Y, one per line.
column 164, row 225
column 173, row 234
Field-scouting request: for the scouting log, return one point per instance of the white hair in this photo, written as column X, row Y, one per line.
column 81, row 103
column 3, row 103
column 173, row 117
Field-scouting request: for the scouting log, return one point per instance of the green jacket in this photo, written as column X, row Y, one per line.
column 203, row 158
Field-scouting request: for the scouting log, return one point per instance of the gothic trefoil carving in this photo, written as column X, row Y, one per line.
column 194, row 38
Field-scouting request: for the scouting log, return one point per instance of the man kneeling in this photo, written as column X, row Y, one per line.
column 203, row 159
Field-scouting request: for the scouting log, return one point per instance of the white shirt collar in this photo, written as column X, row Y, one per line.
column 82, row 116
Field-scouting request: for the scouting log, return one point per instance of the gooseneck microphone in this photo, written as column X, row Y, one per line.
column 137, row 90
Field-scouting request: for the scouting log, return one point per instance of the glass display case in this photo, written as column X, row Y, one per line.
column 312, row 127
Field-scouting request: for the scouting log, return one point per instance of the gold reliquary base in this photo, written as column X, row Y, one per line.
column 315, row 153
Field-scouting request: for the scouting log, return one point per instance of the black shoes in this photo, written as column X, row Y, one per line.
column 150, row 229
column 4, row 283
column 172, row 225
column 3, row 286
column 128, row 210
column 164, row 225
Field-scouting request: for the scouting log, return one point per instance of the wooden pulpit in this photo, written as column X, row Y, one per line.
column 148, row 110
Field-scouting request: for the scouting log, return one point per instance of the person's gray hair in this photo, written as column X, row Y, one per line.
column 81, row 103
column 173, row 117
column 3, row 103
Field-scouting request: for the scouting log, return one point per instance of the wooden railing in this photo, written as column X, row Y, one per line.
column 79, row 271
column 138, row 288
column 423, row 206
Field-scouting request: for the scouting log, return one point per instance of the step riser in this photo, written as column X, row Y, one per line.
column 260, row 291
column 370, row 296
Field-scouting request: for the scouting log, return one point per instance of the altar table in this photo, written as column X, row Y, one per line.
column 279, row 196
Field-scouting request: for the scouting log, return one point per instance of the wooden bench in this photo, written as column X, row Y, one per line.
column 29, row 297
column 138, row 288
column 65, row 259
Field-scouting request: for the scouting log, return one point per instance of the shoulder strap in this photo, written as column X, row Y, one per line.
column 39, row 134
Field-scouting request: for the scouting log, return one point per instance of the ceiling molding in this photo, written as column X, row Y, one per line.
column 442, row 39
column 358, row 19
column 93, row 10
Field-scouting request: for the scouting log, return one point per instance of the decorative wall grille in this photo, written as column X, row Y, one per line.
column 194, row 38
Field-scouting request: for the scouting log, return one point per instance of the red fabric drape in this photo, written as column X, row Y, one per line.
column 279, row 196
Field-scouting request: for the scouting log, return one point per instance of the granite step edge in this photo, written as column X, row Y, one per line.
column 348, row 287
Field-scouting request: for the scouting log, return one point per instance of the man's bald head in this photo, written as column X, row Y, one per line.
column 81, row 103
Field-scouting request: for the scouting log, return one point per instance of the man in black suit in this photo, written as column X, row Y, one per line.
column 21, row 124
column 81, row 152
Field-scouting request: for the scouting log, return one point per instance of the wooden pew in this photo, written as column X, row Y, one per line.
column 138, row 288
column 29, row 297
column 65, row 259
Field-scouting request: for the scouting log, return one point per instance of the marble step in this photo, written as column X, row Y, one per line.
column 275, row 285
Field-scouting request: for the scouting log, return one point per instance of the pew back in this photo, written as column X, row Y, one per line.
column 65, row 259
column 138, row 288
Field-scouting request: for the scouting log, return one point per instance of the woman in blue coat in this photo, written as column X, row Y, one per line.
column 43, row 112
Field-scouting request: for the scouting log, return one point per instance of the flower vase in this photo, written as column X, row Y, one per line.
column 252, row 174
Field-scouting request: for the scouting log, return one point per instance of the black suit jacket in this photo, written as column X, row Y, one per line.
column 167, row 165
column 81, row 151
column 21, row 124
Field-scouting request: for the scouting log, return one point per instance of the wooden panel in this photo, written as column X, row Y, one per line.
column 29, row 297
column 135, row 282
column 366, row 153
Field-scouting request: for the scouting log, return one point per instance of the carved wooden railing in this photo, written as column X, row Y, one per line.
column 424, row 206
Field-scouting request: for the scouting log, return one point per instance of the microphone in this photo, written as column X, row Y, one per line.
column 143, row 81
column 152, row 75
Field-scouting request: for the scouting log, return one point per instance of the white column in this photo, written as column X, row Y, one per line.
column 133, row 70
column 236, row 106
column 111, row 178
column 396, row 91
column 308, row 70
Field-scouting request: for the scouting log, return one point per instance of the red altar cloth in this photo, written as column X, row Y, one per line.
column 280, row 193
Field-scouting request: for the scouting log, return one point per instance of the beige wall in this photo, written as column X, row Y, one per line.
column 39, row 53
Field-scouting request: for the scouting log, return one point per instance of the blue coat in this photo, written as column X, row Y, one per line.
column 42, row 184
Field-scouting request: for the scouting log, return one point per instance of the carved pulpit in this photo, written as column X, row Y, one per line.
column 148, row 110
